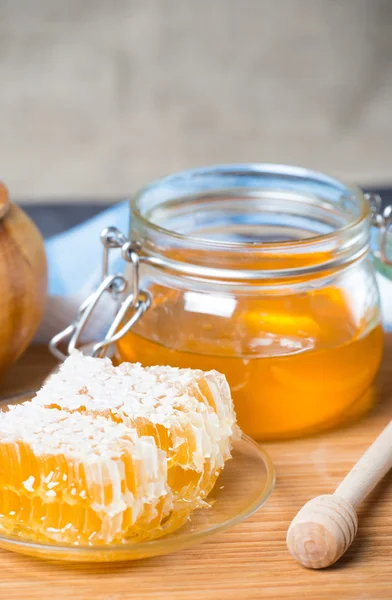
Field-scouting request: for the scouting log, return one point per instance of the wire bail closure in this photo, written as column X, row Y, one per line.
column 132, row 302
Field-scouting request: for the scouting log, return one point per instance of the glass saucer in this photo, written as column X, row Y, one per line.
column 241, row 489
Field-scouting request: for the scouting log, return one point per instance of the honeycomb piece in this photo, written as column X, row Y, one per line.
column 188, row 413
column 78, row 479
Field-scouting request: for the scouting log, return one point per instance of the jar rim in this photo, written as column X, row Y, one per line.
column 322, row 200
column 256, row 169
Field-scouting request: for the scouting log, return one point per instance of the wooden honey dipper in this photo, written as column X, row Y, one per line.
column 326, row 526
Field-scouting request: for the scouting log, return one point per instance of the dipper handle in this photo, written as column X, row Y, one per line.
column 369, row 470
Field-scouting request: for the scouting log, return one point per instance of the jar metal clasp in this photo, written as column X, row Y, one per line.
column 131, row 302
column 382, row 220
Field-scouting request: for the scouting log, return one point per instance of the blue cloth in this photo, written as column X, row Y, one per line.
column 75, row 270
column 75, row 256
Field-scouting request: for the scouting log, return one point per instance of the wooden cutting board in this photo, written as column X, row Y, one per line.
column 249, row 561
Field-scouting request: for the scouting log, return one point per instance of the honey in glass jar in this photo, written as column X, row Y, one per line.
column 261, row 272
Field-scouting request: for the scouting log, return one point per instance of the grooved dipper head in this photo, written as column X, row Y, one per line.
column 322, row 531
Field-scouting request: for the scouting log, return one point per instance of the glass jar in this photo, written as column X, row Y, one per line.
column 262, row 272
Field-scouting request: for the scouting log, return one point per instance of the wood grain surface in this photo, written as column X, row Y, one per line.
column 249, row 561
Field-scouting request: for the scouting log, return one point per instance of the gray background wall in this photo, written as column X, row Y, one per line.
column 98, row 96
